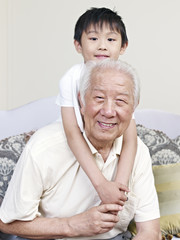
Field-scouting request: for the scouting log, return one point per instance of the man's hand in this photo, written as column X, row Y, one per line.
column 89, row 223
column 94, row 221
column 112, row 192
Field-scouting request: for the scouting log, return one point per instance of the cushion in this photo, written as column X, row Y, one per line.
column 167, row 182
column 163, row 150
column 165, row 153
column 10, row 151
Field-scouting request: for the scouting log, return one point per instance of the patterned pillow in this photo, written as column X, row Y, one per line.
column 10, row 151
column 163, row 150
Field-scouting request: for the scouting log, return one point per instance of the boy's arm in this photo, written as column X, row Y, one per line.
column 109, row 192
column 128, row 154
column 79, row 147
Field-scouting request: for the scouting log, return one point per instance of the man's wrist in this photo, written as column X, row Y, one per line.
column 66, row 229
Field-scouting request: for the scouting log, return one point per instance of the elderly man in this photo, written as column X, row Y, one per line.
column 51, row 197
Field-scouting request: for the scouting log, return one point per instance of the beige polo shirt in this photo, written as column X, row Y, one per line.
column 48, row 181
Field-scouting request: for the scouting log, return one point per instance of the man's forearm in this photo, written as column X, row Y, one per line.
column 39, row 228
column 148, row 236
column 148, row 230
column 94, row 221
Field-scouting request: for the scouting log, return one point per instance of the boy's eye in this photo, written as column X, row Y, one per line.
column 111, row 39
column 93, row 38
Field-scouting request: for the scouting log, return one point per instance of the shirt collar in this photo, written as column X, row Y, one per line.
column 116, row 148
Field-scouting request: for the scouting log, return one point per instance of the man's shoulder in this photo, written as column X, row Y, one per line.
column 47, row 137
column 143, row 157
column 141, row 146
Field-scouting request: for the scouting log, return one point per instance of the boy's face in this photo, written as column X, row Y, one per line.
column 100, row 43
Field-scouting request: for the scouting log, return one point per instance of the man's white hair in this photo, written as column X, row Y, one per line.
column 118, row 65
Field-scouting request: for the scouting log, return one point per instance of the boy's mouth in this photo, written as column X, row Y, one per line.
column 101, row 56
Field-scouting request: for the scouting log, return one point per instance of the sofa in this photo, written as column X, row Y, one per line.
column 159, row 130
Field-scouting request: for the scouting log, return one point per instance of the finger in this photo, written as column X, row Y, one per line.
column 121, row 203
column 123, row 197
column 109, row 219
column 123, row 187
column 104, row 208
column 104, row 230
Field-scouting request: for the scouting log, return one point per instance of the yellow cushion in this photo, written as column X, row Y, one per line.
column 167, row 182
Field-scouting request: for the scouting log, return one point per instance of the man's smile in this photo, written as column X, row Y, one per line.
column 106, row 125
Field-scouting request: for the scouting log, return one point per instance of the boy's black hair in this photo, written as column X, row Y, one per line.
column 99, row 16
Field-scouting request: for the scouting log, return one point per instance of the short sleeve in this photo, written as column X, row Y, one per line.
column 21, row 201
column 144, row 188
column 68, row 86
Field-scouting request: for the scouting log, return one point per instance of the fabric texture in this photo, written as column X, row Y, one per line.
column 165, row 153
column 10, row 151
column 163, row 150
column 77, row 194
column 167, row 182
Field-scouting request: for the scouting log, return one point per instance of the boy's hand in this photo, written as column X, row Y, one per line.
column 112, row 192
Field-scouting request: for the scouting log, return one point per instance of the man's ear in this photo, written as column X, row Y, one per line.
column 78, row 46
column 123, row 48
column 81, row 104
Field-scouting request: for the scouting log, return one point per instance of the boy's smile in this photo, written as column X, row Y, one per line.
column 98, row 43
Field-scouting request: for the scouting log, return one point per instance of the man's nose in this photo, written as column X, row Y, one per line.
column 108, row 109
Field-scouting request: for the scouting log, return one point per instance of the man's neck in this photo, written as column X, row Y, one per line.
column 103, row 147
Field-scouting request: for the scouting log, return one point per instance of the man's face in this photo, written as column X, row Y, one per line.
column 108, row 106
column 100, row 43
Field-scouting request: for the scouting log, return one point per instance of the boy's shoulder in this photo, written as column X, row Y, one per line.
column 76, row 68
column 73, row 72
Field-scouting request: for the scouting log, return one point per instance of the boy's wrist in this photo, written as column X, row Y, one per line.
column 100, row 182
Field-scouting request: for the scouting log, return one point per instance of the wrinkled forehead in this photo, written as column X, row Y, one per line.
column 108, row 79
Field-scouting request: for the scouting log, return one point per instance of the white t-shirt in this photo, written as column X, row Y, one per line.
column 48, row 181
column 68, row 91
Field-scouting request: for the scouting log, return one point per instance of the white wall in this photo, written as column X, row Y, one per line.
column 36, row 47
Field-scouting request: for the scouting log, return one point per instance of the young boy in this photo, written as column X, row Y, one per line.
column 99, row 34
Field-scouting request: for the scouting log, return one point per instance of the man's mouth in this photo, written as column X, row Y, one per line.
column 106, row 125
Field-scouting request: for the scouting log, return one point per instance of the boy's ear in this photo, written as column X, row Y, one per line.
column 78, row 46
column 81, row 104
column 123, row 49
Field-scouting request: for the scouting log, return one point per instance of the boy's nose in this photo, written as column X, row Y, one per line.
column 102, row 45
column 108, row 110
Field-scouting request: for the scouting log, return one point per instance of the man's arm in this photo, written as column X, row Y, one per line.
column 94, row 221
column 148, row 230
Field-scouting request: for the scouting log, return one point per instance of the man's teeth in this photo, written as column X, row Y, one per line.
column 107, row 124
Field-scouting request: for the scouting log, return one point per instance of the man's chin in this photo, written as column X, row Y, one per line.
column 106, row 137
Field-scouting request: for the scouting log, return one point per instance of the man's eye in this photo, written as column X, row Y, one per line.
column 120, row 101
column 99, row 98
